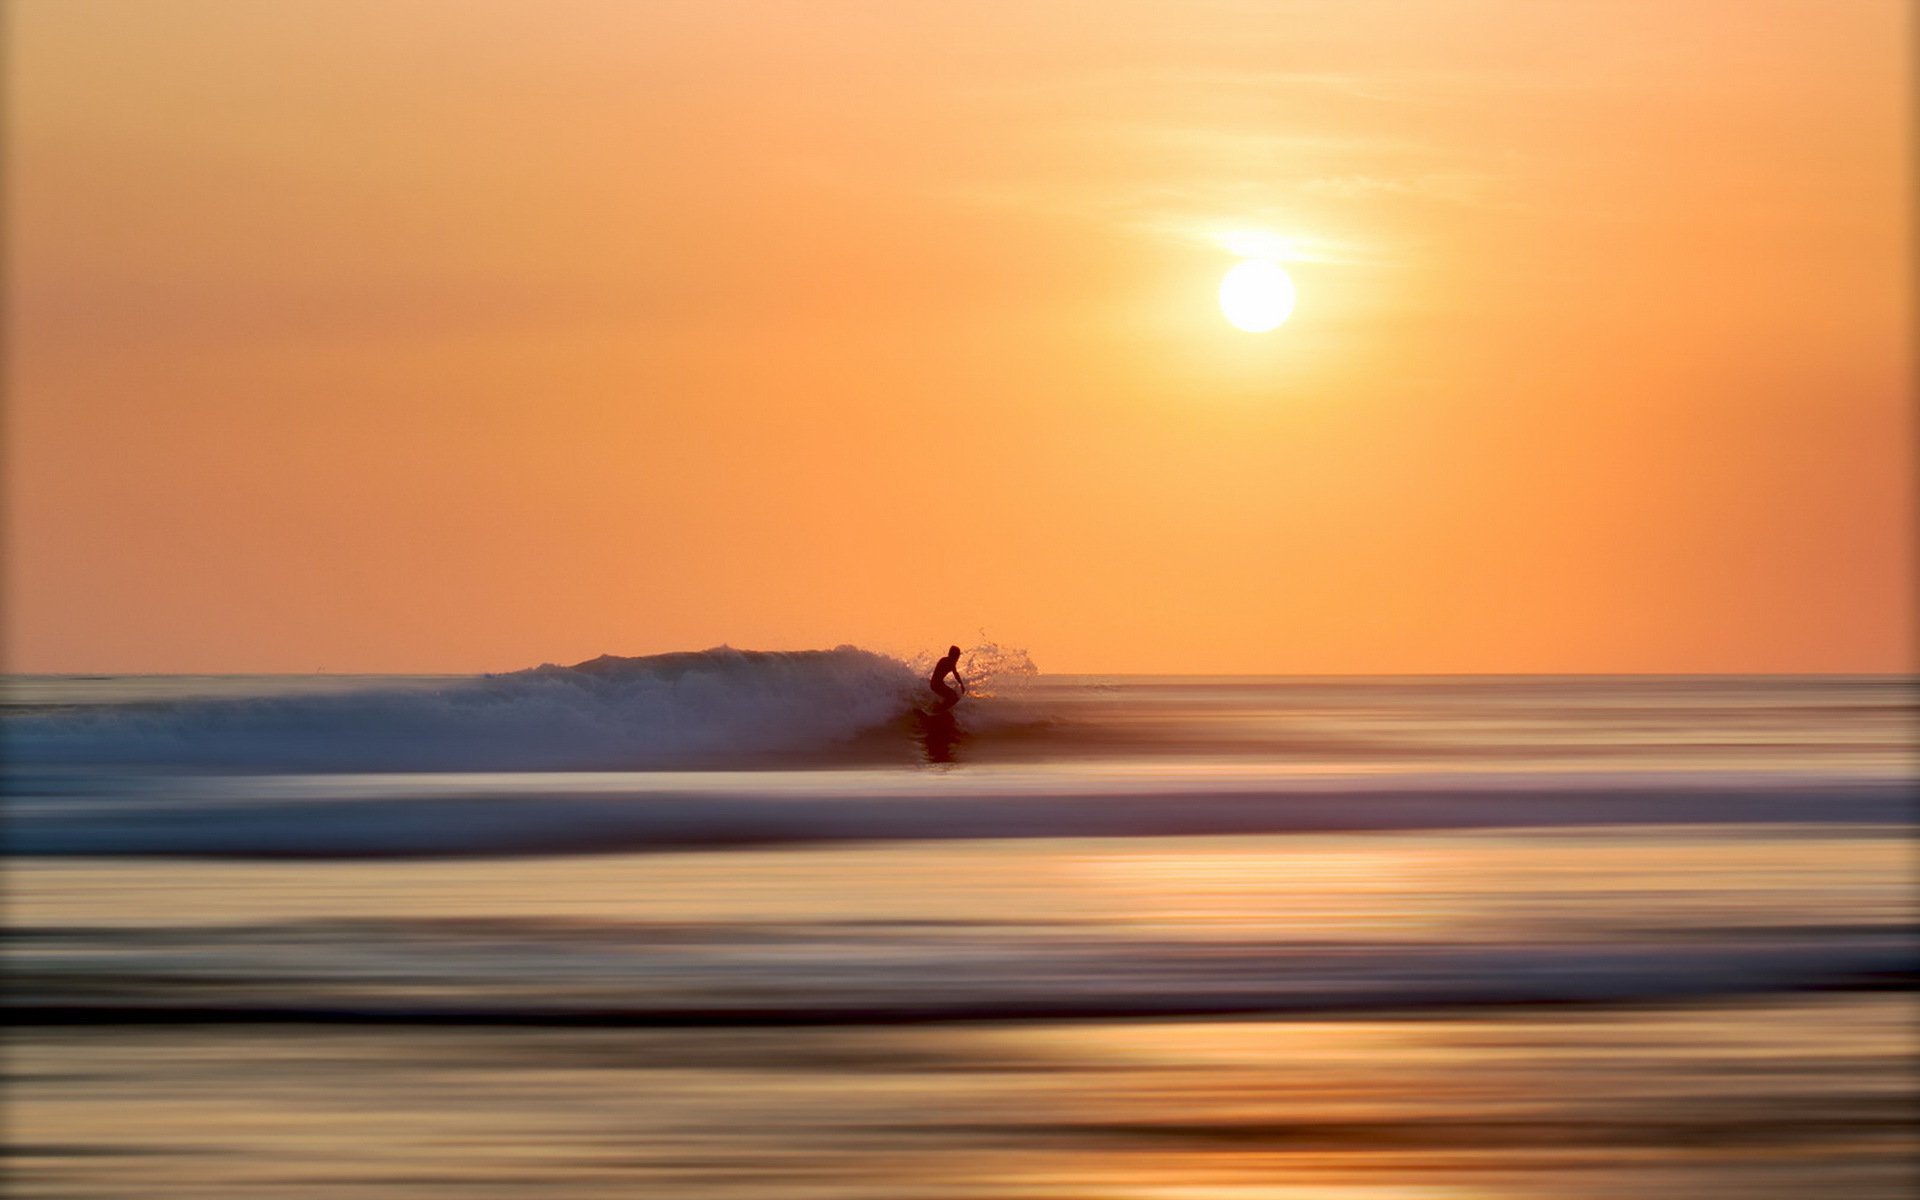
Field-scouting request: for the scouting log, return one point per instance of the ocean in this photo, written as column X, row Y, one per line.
column 727, row 924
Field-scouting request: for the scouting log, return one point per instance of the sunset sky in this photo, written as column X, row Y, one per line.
column 454, row 336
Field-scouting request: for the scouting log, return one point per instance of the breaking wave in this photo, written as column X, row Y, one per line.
column 608, row 713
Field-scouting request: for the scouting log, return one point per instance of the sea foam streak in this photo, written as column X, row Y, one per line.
column 609, row 713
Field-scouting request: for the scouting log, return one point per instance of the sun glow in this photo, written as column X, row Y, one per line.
column 1257, row 295
column 1259, row 243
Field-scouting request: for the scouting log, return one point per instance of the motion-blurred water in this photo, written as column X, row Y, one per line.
column 726, row 926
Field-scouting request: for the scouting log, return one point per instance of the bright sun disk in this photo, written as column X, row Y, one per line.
column 1256, row 295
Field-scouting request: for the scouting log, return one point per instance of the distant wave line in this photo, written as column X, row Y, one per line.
column 573, row 824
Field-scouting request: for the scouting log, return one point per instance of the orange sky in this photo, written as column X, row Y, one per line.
column 377, row 335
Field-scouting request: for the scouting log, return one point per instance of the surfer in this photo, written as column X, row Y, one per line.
column 950, row 665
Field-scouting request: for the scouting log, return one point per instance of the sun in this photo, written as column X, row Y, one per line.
column 1256, row 295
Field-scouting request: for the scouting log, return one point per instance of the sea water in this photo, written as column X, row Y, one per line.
column 739, row 925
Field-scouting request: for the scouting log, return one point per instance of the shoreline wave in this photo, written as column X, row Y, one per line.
column 1275, row 984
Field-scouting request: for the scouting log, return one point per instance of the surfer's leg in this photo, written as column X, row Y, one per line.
column 948, row 697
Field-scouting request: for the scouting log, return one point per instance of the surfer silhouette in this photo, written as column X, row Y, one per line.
column 950, row 665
